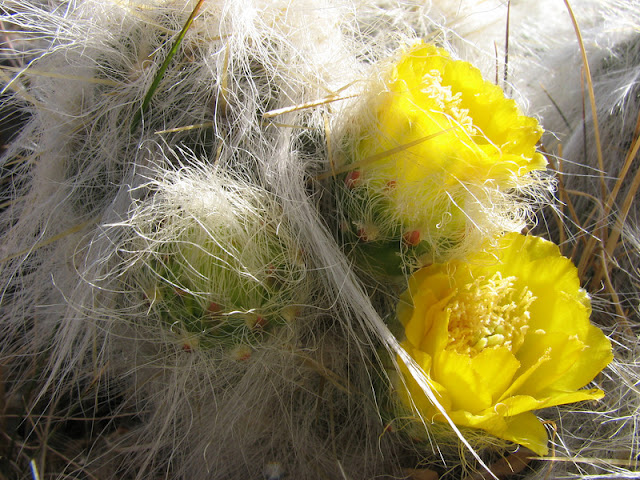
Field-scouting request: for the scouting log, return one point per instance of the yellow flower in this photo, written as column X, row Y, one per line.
column 500, row 335
column 443, row 154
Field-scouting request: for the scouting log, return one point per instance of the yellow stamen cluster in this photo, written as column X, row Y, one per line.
column 489, row 312
column 447, row 103
column 499, row 335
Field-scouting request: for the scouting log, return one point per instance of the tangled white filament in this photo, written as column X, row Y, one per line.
column 257, row 91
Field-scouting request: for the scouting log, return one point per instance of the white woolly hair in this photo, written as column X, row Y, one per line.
column 243, row 124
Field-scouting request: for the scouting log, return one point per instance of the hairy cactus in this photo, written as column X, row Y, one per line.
column 214, row 260
column 437, row 159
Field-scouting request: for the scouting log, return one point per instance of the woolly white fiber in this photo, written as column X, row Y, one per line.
column 175, row 301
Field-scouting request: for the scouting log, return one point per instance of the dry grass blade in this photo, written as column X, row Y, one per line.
column 421, row 474
column 507, row 466
column 61, row 76
column 506, row 48
column 223, row 96
column 16, row 86
column 49, row 241
column 185, row 128
column 592, row 97
column 613, row 239
column 622, row 317
column 631, row 155
column 599, row 232
column 557, row 107
column 624, row 212
column 586, row 255
column 381, row 156
column 303, row 106
column 335, row 379
column 594, row 461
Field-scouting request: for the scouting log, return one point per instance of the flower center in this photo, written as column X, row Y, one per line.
column 489, row 312
column 447, row 102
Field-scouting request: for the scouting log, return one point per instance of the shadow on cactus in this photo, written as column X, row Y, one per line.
column 214, row 261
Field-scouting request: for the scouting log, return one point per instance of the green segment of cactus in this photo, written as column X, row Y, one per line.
column 382, row 243
column 220, row 266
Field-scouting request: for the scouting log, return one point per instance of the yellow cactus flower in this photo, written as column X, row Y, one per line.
column 502, row 334
column 443, row 155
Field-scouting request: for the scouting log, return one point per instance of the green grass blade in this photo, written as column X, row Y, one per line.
column 163, row 68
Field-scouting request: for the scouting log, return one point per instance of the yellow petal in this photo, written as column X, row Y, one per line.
column 526, row 371
column 426, row 328
column 562, row 352
column 572, row 362
column 412, row 393
column 595, row 357
column 499, row 120
column 526, row 430
column 474, row 384
column 518, row 404
column 517, row 337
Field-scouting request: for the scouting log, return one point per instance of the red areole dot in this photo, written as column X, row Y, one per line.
column 352, row 179
column 412, row 238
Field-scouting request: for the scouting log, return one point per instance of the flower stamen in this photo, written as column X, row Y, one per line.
column 489, row 312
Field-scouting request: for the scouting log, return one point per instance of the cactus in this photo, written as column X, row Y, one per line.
column 436, row 160
column 214, row 260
